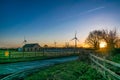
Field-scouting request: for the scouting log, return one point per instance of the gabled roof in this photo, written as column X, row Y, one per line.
column 30, row 45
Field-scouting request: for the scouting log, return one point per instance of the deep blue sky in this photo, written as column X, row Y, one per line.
column 46, row 21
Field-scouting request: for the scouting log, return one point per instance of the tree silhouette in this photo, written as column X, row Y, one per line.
column 111, row 38
column 94, row 38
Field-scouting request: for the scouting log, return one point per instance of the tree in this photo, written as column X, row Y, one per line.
column 94, row 38
column 117, row 45
column 111, row 38
column 45, row 46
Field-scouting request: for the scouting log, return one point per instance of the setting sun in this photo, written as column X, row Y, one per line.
column 103, row 44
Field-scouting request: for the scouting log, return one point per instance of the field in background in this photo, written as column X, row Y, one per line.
column 15, row 56
column 75, row 70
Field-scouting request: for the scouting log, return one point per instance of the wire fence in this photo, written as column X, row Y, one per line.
column 44, row 52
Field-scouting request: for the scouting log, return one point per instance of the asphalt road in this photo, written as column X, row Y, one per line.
column 16, row 67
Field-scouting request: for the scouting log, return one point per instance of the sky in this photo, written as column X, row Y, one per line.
column 49, row 21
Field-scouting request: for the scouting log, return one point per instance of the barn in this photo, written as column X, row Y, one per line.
column 31, row 47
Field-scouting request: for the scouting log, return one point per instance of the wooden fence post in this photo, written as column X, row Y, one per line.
column 107, row 73
column 43, row 52
column 104, row 72
column 91, row 59
column 23, row 54
column 9, row 55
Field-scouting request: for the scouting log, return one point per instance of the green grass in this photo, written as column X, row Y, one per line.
column 13, row 60
column 115, row 58
column 74, row 70
column 20, row 56
column 29, row 56
column 116, row 55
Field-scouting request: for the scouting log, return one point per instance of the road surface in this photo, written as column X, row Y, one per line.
column 19, row 66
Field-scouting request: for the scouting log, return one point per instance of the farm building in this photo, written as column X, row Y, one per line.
column 31, row 47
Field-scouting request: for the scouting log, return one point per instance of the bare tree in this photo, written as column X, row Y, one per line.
column 117, row 45
column 45, row 46
column 111, row 38
column 94, row 38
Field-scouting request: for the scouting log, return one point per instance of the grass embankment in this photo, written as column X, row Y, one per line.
column 74, row 70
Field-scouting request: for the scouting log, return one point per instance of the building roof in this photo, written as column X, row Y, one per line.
column 30, row 45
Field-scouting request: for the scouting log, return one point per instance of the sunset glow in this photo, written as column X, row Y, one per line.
column 103, row 44
column 47, row 21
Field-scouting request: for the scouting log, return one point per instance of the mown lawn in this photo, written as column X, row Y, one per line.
column 74, row 70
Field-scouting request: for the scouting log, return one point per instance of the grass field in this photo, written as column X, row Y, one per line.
column 29, row 56
column 75, row 70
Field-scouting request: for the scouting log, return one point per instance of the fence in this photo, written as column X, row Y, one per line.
column 44, row 52
column 110, row 70
column 19, row 54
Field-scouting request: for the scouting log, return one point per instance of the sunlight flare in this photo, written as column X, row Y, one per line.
column 103, row 44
